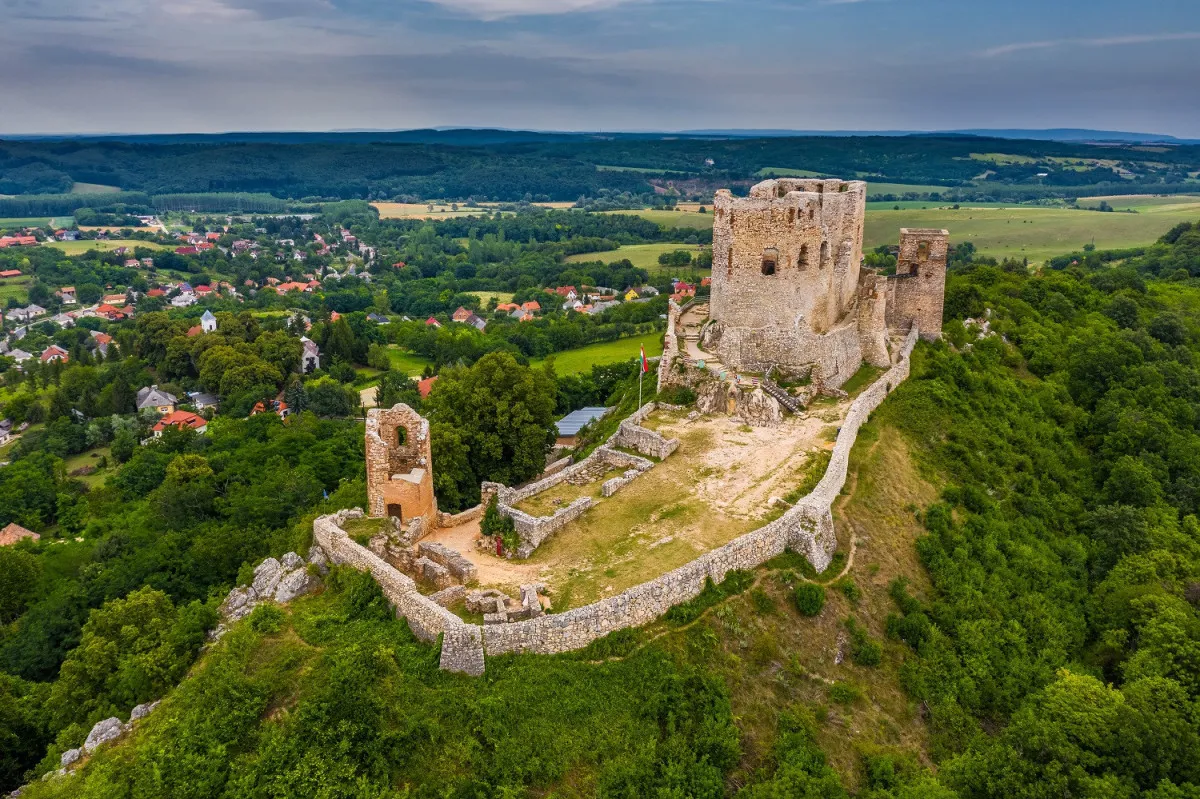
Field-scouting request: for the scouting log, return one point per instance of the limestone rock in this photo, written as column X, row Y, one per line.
column 294, row 583
column 448, row 596
column 69, row 757
column 238, row 604
column 267, row 577
column 143, row 710
column 759, row 409
column 104, row 731
column 292, row 561
column 318, row 558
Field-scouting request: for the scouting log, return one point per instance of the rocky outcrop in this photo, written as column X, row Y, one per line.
column 108, row 730
column 276, row 581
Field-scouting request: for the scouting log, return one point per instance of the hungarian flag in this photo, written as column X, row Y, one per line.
column 645, row 363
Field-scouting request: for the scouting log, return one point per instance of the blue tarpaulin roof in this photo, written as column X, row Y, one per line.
column 570, row 424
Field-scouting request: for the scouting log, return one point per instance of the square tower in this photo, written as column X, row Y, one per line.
column 916, row 293
column 399, row 465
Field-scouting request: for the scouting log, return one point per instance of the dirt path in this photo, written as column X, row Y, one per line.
column 492, row 571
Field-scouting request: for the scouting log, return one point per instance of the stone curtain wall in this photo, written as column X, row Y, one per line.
column 462, row 647
column 806, row 528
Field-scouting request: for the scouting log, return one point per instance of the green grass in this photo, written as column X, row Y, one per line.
column 29, row 221
column 80, row 247
column 17, row 287
column 94, row 188
column 641, row 169
column 784, row 172
column 607, row 352
column 90, row 458
column 1034, row 232
column 409, row 363
column 644, row 256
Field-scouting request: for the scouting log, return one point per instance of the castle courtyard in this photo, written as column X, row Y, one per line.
column 715, row 487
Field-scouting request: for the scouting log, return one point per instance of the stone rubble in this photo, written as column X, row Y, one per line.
column 274, row 580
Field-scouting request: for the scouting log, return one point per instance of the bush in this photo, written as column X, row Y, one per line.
column 810, row 598
column 677, row 395
column 844, row 693
column 863, row 649
column 266, row 619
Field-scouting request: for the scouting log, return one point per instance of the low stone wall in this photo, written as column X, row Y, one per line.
column 806, row 528
column 462, row 649
column 533, row 530
column 631, row 435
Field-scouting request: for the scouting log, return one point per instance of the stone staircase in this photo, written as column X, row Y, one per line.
column 789, row 403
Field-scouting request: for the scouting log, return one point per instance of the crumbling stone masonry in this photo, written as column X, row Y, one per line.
column 533, row 530
column 400, row 466
column 807, row 528
column 788, row 289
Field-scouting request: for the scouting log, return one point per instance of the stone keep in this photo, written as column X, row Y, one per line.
column 788, row 289
column 400, row 466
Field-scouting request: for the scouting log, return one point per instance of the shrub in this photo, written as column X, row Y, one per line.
column 850, row 589
column 863, row 649
column 810, row 598
column 266, row 619
column 844, row 693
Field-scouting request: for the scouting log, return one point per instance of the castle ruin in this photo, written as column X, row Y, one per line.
column 400, row 466
column 789, row 291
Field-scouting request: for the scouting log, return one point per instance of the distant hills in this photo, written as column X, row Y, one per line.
column 493, row 136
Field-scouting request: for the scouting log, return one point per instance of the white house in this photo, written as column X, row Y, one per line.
column 208, row 322
column 311, row 358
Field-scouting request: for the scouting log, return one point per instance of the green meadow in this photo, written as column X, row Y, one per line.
column 644, row 256
column 605, row 353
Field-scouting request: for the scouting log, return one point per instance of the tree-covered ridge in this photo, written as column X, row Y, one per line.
column 1058, row 652
column 566, row 169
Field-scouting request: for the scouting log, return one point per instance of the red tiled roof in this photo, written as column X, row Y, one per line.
column 425, row 386
column 180, row 419
column 10, row 273
column 532, row 305
column 156, row 293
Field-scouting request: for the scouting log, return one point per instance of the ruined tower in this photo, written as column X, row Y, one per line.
column 399, row 465
column 917, row 291
column 785, row 280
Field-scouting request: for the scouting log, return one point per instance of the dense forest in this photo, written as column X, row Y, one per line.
column 569, row 167
column 1054, row 652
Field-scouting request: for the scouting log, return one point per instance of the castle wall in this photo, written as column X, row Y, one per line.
column 806, row 528
column 916, row 294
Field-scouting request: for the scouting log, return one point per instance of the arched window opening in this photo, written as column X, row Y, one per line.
column 923, row 251
column 802, row 258
column 401, row 436
column 824, row 254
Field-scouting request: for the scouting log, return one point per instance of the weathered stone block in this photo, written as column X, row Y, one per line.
column 104, row 731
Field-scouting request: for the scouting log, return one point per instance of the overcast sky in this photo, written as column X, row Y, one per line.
column 219, row 65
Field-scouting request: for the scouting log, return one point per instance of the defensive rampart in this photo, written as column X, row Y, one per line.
column 806, row 528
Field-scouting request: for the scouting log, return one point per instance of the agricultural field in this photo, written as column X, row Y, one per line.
column 604, row 353
column 8, row 223
column 1036, row 232
column 675, row 219
column 485, row 296
column 444, row 210
column 17, row 287
column 644, row 256
column 94, row 188
column 80, row 247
